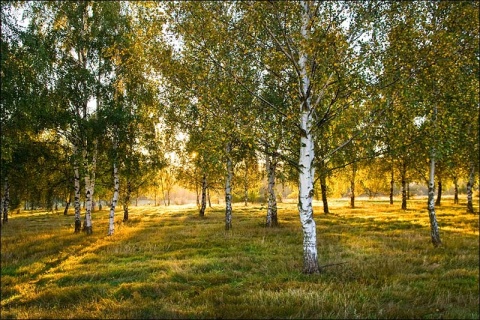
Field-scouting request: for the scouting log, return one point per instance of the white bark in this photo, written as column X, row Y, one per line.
column 352, row 185
column 76, row 200
column 116, row 182
column 272, row 198
column 470, row 183
column 434, row 232
column 307, row 154
column 89, row 188
column 404, row 186
column 204, row 195
column 228, row 190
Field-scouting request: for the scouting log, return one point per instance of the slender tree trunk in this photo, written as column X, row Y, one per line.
column 408, row 190
column 6, row 200
column 392, row 184
column 455, row 183
column 67, row 205
column 89, row 188
column 323, row 187
column 306, row 157
column 204, row 195
column 228, row 190
column 404, row 186
column 438, row 201
column 208, row 197
column 245, row 185
column 272, row 220
column 470, row 183
column 352, row 186
column 116, row 190
column 168, row 197
column 434, row 232
column 76, row 199
column 127, row 201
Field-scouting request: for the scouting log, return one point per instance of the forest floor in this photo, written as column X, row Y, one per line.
column 170, row 263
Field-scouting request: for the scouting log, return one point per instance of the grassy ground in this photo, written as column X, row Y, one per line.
column 169, row 263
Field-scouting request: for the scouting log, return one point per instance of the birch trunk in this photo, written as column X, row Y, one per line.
column 323, row 187
column 67, row 204
column 127, row 201
column 470, row 183
column 6, row 200
column 245, row 185
column 434, row 232
column 455, row 183
column 306, row 191
column 228, row 190
column 392, row 184
column 203, row 204
column 307, row 156
column 438, row 201
column 404, row 186
column 76, row 199
column 89, row 188
column 116, row 190
column 272, row 220
column 352, row 186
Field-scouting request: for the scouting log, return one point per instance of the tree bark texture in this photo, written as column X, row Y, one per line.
column 392, row 184
column 245, row 185
column 434, row 232
column 323, row 187
column 307, row 154
column 203, row 204
column 126, row 202
column 89, row 188
column 470, row 183
column 404, row 186
column 76, row 199
column 116, row 190
column 272, row 220
column 352, row 186
column 67, row 204
column 438, row 201
column 228, row 190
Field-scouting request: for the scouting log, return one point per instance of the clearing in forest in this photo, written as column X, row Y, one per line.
column 167, row 262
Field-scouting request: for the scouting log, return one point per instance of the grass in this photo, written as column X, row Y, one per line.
column 170, row 263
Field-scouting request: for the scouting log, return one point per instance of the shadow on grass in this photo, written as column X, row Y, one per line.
column 178, row 265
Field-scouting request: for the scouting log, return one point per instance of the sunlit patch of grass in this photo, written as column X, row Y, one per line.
column 171, row 263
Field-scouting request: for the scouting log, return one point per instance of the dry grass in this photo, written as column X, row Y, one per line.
column 170, row 263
